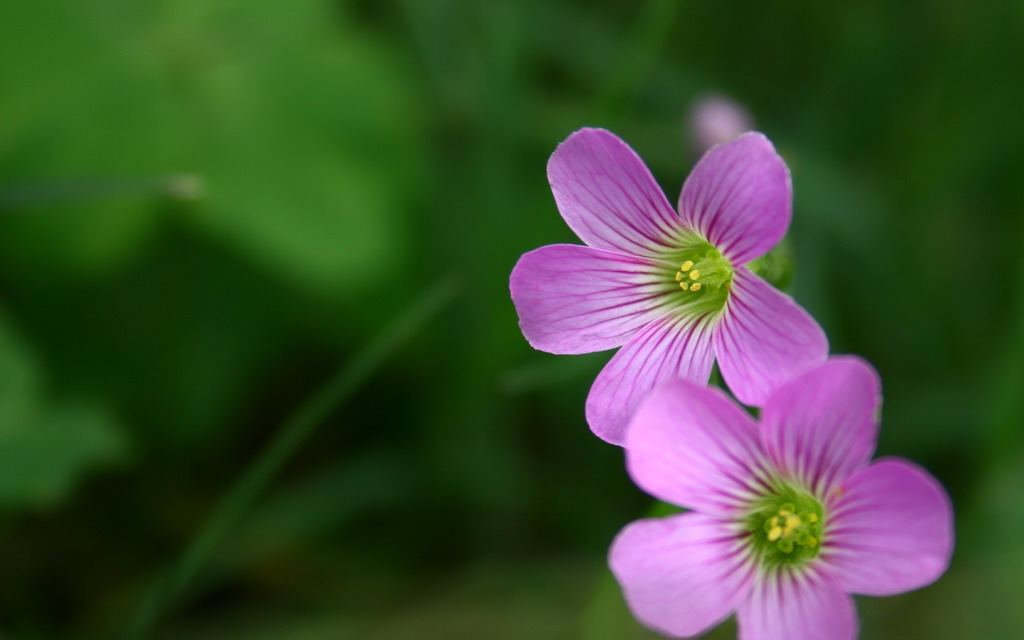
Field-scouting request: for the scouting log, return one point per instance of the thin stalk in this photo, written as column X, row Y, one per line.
column 185, row 186
column 290, row 436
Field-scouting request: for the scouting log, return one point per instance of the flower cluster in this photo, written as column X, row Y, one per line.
column 786, row 515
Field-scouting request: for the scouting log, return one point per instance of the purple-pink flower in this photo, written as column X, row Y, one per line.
column 716, row 119
column 671, row 288
column 788, row 516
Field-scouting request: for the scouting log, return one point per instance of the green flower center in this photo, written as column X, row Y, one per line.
column 701, row 276
column 786, row 528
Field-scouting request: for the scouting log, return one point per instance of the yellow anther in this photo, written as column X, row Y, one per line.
column 695, row 287
column 684, row 286
column 694, row 274
column 790, row 528
column 686, row 266
column 679, row 276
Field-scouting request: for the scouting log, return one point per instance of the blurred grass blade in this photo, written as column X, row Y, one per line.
column 290, row 436
column 184, row 186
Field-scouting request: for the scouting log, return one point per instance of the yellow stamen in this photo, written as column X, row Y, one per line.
column 686, row 266
column 790, row 528
column 695, row 287
column 694, row 274
column 679, row 276
column 684, row 286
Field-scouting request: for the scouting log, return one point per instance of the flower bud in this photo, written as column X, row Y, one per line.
column 716, row 119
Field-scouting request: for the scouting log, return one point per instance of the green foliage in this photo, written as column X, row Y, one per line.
column 45, row 445
column 207, row 207
column 181, row 100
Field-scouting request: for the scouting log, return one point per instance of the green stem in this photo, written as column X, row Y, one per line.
column 180, row 186
column 290, row 436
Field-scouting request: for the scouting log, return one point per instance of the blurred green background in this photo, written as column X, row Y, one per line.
column 208, row 207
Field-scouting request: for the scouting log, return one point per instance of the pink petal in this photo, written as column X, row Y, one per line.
column 739, row 197
column 692, row 446
column 668, row 348
column 821, row 427
column 683, row 574
column 797, row 604
column 607, row 195
column 764, row 339
column 574, row 299
column 891, row 530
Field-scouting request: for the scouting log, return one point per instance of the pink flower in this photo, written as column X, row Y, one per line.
column 788, row 516
column 716, row 119
column 671, row 287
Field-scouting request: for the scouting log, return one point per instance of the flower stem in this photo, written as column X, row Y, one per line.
column 290, row 436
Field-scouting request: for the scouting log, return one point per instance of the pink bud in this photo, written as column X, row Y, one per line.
column 716, row 119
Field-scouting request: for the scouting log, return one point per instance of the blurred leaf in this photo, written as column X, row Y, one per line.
column 19, row 379
column 70, row 114
column 44, row 446
column 301, row 129
column 42, row 460
column 297, row 127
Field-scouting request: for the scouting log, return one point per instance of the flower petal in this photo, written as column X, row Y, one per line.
column 797, row 604
column 574, row 299
column 739, row 197
column 669, row 348
column 891, row 531
column 607, row 195
column 822, row 426
column 764, row 339
column 692, row 446
column 683, row 574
